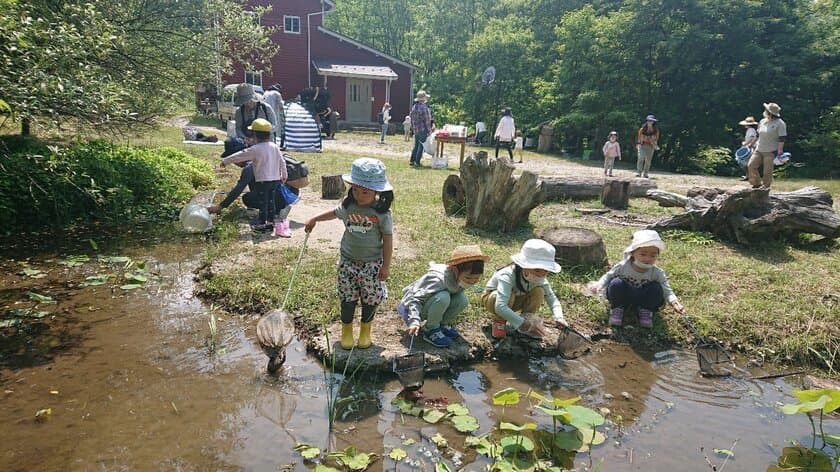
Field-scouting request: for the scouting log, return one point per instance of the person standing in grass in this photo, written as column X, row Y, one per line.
column 384, row 121
column 421, row 125
column 519, row 145
column 366, row 246
column 439, row 295
column 515, row 292
column 647, row 142
column 637, row 282
column 611, row 150
column 407, row 127
column 505, row 132
column 269, row 169
column 772, row 132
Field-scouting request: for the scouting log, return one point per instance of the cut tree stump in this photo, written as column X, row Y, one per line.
column 576, row 246
column 750, row 215
column 453, row 197
column 585, row 188
column 616, row 194
column 332, row 187
column 495, row 200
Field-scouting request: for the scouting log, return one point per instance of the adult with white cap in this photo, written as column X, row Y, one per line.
column 515, row 292
column 421, row 124
column 646, row 144
column 772, row 132
column 250, row 107
column 636, row 282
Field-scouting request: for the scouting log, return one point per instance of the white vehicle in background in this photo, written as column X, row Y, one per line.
column 226, row 107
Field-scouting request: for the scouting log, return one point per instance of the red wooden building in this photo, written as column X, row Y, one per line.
column 360, row 78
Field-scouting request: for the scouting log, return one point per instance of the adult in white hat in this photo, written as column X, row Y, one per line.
column 647, row 142
column 421, row 125
column 636, row 282
column 515, row 293
column 772, row 132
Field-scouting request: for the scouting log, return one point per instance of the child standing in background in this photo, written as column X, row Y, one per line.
column 611, row 150
column 366, row 246
column 407, row 127
column 384, row 120
column 637, row 282
column 519, row 145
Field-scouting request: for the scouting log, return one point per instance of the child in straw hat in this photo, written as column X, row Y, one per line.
column 637, row 282
column 439, row 295
column 515, row 292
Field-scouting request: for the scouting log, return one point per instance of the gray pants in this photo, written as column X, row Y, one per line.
column 645, row 156
column 384, row 130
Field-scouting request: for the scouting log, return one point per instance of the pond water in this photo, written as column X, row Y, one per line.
column 131, row 384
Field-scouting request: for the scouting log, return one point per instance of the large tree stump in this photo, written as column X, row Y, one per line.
column 332, row 187
column 750, row 215
column 585, row 188
column 454, row 200
column 616, row 194
column 576, row 246
column 495, row 200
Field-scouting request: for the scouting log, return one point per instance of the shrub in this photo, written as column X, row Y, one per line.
column 94, row 180
column 711, row 161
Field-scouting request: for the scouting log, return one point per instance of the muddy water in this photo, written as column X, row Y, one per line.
column 132, row 384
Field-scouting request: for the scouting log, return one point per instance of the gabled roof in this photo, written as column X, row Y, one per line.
column 359, row 45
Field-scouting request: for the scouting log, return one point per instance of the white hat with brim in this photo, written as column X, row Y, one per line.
column 645, row 238
column 773, row 109
column 368, row 173
column 536, row 254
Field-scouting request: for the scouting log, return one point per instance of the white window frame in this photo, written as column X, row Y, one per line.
column 255, row 75
column 291, row 31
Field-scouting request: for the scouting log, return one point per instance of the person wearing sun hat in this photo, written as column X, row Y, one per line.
column 637, row 282
column 250, row 107
column 515, row 292
column 647, row 142
column 421, row 124
column 772, row 132
column 439, row 295
column 366, row 246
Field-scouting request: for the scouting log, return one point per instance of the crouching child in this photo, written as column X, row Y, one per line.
column 438, row 296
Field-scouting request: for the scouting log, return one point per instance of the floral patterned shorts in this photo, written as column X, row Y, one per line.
column 359, row 282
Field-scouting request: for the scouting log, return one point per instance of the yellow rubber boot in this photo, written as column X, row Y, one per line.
column 364, row 336
column 347, row 335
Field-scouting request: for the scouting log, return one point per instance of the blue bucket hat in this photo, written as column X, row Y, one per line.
column 368, row 173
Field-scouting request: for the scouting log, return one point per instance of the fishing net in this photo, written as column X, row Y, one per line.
column 712, row 357
column 410, row 370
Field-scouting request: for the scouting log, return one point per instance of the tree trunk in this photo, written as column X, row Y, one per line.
column 667, row 199
column 332, row 187
column 454, row 199
column 576, row 246
column 495, row 200
column 751, row 215
column 25, row 127
column 585, row 188
column 616, row 194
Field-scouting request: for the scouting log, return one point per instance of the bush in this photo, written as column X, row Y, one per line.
column 94, row 180
column 711, row 161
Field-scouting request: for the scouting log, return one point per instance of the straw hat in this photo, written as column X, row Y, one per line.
column 368, row 173
column 261, row 125
column 463, row 254
column 748, row 121
column 773, row 108
column 536, row 254
column 645, row 238
column 244, row 93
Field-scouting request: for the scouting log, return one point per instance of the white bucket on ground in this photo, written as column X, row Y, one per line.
column 195, row 218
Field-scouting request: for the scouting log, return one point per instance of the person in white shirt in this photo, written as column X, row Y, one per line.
column 480, row 132
column 384, row 120
column 505, row 132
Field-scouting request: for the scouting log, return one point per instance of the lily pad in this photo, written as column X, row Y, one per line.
column 508, row 396
column 41, row 298
column 136, row 277
column 75, row 261
column 432, row 415
column 464, row 423
column 439, row 440
column 513, row 427
column 353, row 459
column 114, row 259
column 557, row 403
column 583, row 417
column 488, row 448
column 457, row 409
column 560, row 413
column 517, row 442
column 94, row 280
column 801, row 458
column 33, row 273
column 130, row 286
column 307, row 451
column 408, row 442
column 590, row 437
column 569, row 440
column 397, row 454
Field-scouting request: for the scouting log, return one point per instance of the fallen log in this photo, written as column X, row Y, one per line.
column 750, row 215
column 584, row 188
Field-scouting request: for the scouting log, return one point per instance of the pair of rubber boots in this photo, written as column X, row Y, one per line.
column 282, row 229
column 347, row 340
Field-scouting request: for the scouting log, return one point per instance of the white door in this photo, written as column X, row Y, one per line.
column 358, row 100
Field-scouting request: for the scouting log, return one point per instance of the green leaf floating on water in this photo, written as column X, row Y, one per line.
column 93, row 280
column 832, row 439
column 820, row 403
column 130, row 286
column 508, row 396
column 513, row 427
column 409, row 442
column 41, row 298
column 560, row 413
column 307, row 451
column 439, row 440
column 831, row 404
column 488, row 448
column 114, row 259
column 464, row 423
column 569, row 440
column 431, row 415
column 457, row 409
column 583, row 417
column 75, row 261
column 724, row 452
column 397, row 454
column 517, row 441
column 136, row 277
column 353, row 459
column 34, row 273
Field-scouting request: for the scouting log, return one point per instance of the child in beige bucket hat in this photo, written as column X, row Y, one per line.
column 440, row 295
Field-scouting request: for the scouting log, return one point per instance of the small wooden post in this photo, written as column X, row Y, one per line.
column 576, row 246
column 454, row 199
column 616, row 194
column 332, row 187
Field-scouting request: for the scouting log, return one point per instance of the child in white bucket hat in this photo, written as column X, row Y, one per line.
column 637, row 282
column 366, row 246
column 515, row 292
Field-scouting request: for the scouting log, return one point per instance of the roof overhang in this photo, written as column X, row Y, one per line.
column 332, row 68
column 365, row 47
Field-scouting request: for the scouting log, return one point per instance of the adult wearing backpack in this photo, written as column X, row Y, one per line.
column 384, row 119
column 250, row 107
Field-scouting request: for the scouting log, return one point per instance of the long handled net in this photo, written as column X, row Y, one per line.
column 711, row 356
column 410, row 368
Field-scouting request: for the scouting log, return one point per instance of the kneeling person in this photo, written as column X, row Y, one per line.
column 438, row 296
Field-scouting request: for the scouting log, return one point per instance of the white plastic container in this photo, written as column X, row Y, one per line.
column 231, row 128
column 196, row 219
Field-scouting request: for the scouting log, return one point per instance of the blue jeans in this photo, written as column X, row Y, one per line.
column 623, row 295
column 268, row 192
column 417, row 153
column 384, row 130
column 443, row 307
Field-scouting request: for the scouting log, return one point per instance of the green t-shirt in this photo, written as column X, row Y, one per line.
column 363, row 230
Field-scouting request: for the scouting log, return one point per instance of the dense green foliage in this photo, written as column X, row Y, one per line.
column 103, row 64
column 591, row 67
column 47, row 185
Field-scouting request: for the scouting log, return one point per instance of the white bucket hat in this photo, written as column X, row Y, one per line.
column 536, row 254
column 368, row 173
column 645, row 238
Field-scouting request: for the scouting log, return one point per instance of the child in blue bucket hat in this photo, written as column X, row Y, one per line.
column 366, row 246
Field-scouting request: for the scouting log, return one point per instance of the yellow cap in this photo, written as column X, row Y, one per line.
column 261, row 125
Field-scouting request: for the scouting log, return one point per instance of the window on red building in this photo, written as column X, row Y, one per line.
column 291, row 24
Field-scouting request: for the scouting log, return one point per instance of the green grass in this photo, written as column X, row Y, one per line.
column 779, row 300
